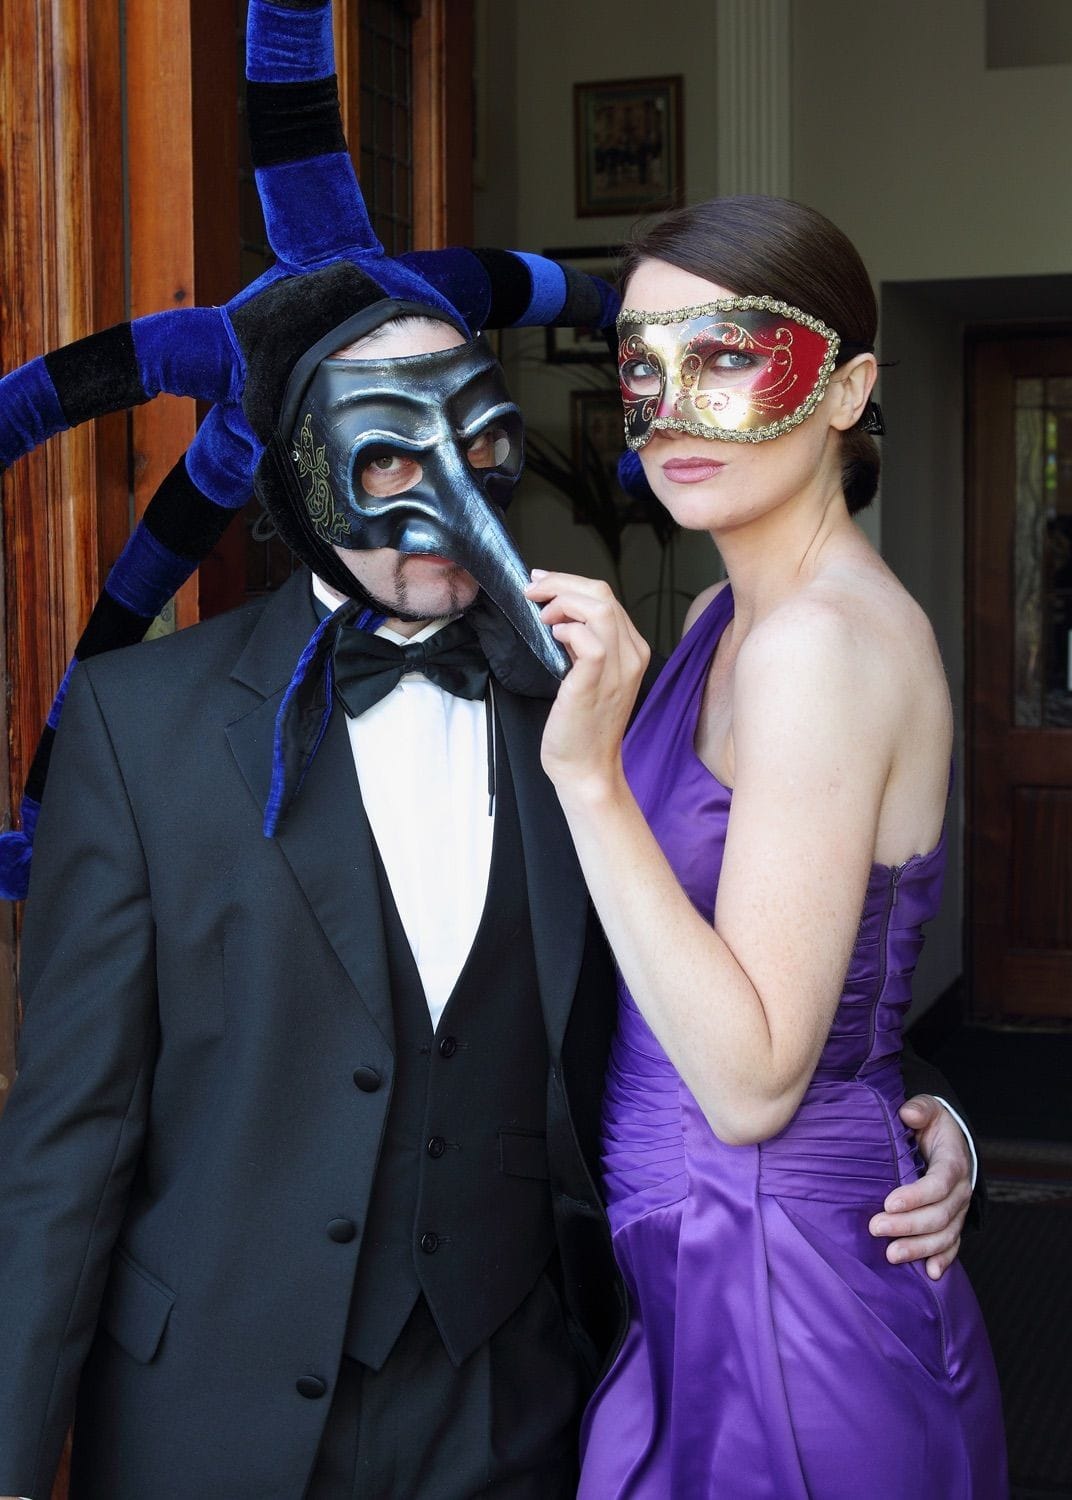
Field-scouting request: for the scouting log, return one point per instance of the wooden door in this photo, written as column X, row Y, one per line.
column 68, row 71
column 61, row 276
column 1019, row 639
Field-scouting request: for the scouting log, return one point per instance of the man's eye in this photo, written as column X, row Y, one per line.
column 641, row 376
column 489, row 449
column 390, row 474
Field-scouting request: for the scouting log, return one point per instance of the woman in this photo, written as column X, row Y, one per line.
column 762, row 855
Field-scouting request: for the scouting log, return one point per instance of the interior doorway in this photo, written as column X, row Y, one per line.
column 1018, row 623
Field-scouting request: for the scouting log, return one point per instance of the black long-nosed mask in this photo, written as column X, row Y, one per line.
column 419, row 453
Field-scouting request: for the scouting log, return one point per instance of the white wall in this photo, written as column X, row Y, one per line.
column 940, row 170
column 934, row 165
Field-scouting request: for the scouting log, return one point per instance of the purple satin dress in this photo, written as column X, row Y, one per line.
column 773, row 1353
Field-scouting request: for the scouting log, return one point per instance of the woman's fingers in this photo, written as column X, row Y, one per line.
column 587, row 651
column 544, row 585
column 588, row 608
column 568, row 597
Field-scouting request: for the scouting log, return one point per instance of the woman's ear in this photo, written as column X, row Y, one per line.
column 851, row 385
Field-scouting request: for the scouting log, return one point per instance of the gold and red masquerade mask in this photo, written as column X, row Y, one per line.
column 739, row 370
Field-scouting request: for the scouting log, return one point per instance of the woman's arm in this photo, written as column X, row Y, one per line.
column 742, row 1007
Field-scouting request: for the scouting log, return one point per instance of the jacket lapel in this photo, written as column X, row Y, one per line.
column 558, row 898
column 325, row 835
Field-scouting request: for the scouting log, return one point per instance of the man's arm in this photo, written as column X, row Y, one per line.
column 74, row 1124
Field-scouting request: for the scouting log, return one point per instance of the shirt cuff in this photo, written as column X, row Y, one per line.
column 967, row 1136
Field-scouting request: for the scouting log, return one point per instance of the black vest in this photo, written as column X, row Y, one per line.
column 461, row 1207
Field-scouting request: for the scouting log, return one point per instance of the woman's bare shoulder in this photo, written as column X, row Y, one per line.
column 865, row 605
column 853, row 661
column 700, row 603
column 856, row 630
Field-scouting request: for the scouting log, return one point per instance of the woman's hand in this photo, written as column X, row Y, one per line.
column 582, row 741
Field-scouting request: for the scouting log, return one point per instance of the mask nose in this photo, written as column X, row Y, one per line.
column 476, row 538
column 671, row 395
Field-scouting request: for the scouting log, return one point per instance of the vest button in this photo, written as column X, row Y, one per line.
column 436, row 1146
column 448, row 1046
column 429, row 1243
column 311, row 1387
column 367, row 1080
column 342, row 1231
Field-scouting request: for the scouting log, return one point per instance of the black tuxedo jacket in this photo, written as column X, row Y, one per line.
column 205, row 1013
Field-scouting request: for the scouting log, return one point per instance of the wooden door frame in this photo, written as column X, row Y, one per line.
column 182, row 144
column 67, row 270
column 62, row 243
column 443, row 121
column 442, row 114
column 986, row 453
column 61, row 253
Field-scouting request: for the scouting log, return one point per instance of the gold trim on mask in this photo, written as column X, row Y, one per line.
column 636, row 318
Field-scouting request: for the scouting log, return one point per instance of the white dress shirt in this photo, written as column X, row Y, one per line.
column 422, row 764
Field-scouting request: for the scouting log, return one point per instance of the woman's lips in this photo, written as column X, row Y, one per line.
column 691, row 470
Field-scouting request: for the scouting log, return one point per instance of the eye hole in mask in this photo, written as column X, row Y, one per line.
column 643, row 375
column 727, row 367
column 489, row 449
column 390, row 474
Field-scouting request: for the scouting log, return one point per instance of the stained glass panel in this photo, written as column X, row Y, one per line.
column 1042, row 554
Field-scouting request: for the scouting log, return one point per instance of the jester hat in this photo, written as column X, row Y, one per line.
column 329, row 267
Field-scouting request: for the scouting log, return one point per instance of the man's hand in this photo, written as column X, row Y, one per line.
column 924, row 1219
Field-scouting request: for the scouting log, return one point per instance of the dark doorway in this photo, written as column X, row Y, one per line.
column 1019, row 676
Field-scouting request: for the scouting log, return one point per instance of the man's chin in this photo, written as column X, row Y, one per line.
column 409, row 616
column 428, row 587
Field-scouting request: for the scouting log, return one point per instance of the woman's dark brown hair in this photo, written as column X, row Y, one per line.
column 756, row 246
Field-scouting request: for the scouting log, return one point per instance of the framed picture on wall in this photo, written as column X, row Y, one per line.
column 582, row 345
column 627, row 142
column 597, row 439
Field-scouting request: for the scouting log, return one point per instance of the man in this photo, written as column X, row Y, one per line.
column 298, row 1193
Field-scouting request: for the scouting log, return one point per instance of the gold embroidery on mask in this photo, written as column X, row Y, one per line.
column 311, row 462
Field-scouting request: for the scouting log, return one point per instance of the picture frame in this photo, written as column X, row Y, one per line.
column 628, row 145
column 597, row 434
column 584, row 346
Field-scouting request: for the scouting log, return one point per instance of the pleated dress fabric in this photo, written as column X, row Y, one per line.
column 773, row 1353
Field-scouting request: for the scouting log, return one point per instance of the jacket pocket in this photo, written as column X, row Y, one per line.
column 135, row 1308
column 523, row 1153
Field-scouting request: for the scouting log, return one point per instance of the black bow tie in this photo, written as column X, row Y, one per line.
column 367, row 666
